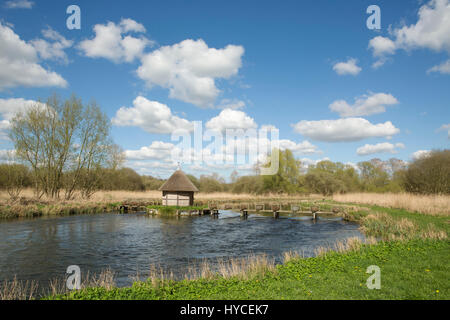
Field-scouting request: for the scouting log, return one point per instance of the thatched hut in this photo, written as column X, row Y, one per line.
column 178, row 190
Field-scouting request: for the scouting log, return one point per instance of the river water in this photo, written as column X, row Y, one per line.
column 43, row 248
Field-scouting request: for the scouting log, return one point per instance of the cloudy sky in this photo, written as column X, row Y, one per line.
column 312, row 69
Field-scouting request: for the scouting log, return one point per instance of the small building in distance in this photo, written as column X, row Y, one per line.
column 178, row 190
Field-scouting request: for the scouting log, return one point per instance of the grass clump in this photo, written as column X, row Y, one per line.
column 172, row 210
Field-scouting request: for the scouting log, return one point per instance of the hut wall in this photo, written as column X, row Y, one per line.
column 181, row 199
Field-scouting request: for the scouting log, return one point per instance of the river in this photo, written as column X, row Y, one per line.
column 42, row 249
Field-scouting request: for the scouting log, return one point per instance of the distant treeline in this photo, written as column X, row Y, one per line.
column 429, row 175
column 63, row 148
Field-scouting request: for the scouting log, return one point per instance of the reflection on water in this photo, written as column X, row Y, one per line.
column 42, row 249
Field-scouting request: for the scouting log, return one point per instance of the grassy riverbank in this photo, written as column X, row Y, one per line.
column 409, row 270
column 412, row 252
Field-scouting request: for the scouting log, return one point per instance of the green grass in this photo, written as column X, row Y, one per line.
column 423, row 220
column 62, row 209
column 391, row 224
column 172, row 210
column 415, row 269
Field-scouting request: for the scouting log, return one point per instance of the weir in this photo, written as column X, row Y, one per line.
column 275, row 209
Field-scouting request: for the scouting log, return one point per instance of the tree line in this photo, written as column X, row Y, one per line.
column 65, row 147
column 428, row 175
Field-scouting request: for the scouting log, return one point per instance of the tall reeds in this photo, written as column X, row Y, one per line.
column 426, row 204
column 29, row 290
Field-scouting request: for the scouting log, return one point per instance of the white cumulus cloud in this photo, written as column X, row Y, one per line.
column 8, row 109
column 19, row 64
column 364, row 106
column 19, row 4
column 53, row 47
column 431, row 31
column 231, row 104
column 304, row 147
column 384, row 147
column 348, row 129
column 4, row 126
column 113, row 42
column 348, row 67
column 231, row 119
column 420, row 154
column 151, row 116
column 443, row 68
column 381, row 46
column 158, row 150
column 189, row 69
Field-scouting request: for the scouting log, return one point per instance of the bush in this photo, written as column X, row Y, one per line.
column 122, row 179
column 324, row 183
column 13, row 178
column 430, row 174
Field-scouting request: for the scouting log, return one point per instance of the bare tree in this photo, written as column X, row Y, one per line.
column 63, row 142
column 90, row 151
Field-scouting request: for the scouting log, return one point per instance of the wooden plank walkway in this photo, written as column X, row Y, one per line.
column 276, row 209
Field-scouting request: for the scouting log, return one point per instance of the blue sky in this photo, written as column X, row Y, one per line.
column 312, row 69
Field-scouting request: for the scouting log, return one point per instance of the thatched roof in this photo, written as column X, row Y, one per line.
column 178, row 182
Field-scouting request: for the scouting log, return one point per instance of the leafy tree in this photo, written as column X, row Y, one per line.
column 429, row 175
column 373, row 176
column 63, row 136
column 152, row 183
column 194, row 180
column 248, row 184
column 287, row 177
column 212, row 183
column 324, row 182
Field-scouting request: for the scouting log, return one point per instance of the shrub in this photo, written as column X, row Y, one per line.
column 430, row 174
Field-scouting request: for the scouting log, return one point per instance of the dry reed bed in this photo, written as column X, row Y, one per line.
column 29, row 290
column 426, row 204
column 241, row 268
column 385, row 227
column 107, row 201
column 122, row 195
column 347, row 245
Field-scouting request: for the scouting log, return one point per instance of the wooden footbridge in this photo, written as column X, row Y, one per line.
column 213, row 208
column 274, row 209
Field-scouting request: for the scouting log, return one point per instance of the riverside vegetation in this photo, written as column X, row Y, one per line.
column 64, row 150
column 411, row 248
column 65, row 162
